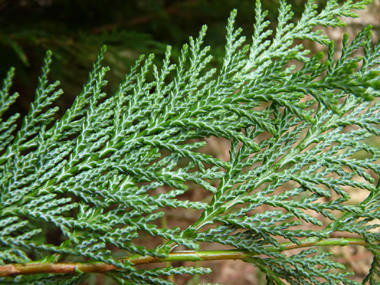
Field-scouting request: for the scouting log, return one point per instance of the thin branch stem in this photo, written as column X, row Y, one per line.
column 99, row 267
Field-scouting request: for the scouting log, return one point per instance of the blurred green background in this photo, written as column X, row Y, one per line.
column 75, row 31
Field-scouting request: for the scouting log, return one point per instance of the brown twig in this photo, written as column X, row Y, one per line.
column 140, row 20
column 99, row 267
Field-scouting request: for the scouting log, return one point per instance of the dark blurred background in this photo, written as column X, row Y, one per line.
column 75, row 31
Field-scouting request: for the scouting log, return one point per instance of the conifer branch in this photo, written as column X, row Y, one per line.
column 107, row 171
column 99, row 267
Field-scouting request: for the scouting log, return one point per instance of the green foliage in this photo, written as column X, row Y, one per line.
column 295, row 123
